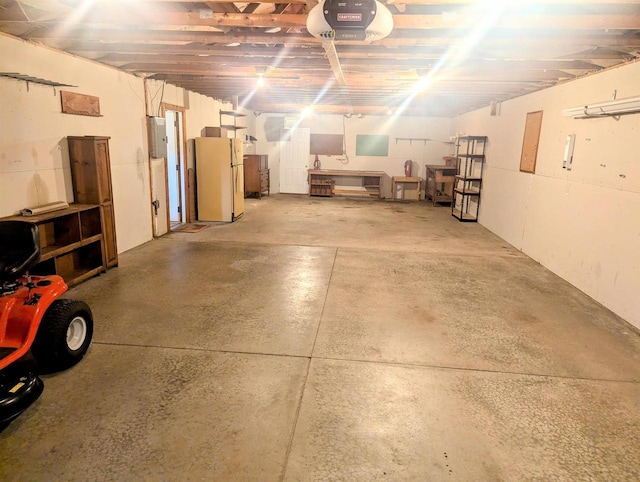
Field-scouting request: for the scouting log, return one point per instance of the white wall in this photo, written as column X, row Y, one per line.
column 34, row 158
column 419, row 152
column 582, row 224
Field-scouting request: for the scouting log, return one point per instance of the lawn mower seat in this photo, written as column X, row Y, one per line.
column 19, row 248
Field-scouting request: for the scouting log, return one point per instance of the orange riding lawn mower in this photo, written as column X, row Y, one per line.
column 39, row 332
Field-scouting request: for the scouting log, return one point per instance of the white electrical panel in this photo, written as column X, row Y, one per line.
column 568, row 152
column 157, row 128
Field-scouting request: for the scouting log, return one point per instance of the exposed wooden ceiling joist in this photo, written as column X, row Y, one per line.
column 216, row 48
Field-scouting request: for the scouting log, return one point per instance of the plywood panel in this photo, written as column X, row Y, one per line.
column 531, row 142
column 80, row 104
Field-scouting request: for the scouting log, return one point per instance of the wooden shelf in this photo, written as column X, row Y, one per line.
column 462, row 216
column 362, row 192
column 71, row 242
column 424, row 140
column 234, row 115
column 470, row 192
column 371, row 181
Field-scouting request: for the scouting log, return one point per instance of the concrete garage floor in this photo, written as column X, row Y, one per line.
column 337, row 339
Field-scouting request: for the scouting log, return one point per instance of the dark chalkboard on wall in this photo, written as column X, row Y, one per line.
column 327, row 144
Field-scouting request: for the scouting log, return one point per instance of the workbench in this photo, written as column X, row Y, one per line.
column 415, row 196
column 439, row 186
column 371, row 182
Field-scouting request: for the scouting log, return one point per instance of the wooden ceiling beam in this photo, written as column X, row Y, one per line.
column 347, row 62
column 427, row 52
column 102, row 15
column 212, row 48
column 550, row 39
column 424, row 2
column 476, row 74
column 383, row 86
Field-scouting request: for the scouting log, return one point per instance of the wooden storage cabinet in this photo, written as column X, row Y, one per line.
column 321, row 186
column 91, row 174
column 256, row 175
column 71, row 242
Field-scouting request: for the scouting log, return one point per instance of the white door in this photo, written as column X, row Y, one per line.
column 173, row 167
column 294, row 162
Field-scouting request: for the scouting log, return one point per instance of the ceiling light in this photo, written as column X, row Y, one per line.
column 233, row 44
column 260, row 80
column 305, row 112
column 421, row 85
column 273, row 30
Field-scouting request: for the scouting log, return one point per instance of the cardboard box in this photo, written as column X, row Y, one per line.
column 214, row 132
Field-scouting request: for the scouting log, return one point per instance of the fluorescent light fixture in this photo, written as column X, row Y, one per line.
column 629, row 105
column 421, row 85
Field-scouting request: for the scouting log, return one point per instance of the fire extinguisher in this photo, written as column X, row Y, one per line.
column 407, row 168
column 316, row 163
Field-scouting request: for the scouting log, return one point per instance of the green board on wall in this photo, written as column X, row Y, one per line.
column 367, row 145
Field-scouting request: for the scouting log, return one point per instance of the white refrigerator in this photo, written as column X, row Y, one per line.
column 219, row 179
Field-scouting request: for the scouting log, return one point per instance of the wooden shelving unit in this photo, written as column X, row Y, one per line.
column 71, row 242
column 224, row 120
column 91, row 175
column 468, row 179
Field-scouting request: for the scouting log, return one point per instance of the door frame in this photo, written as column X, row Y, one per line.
column 186, row 209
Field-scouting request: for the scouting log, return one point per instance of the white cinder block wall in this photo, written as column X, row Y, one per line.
column 419, row 152
column 34, row 157
column 583, row 224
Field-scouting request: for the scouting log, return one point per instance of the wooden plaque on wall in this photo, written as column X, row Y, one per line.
column 531, row 142
column 80, row 104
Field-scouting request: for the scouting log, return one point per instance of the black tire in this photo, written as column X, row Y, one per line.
column 64, row 335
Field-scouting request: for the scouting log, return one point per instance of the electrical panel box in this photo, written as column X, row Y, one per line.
column 157, row 129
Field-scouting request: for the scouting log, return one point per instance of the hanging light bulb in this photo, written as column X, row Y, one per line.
column 260, row 80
